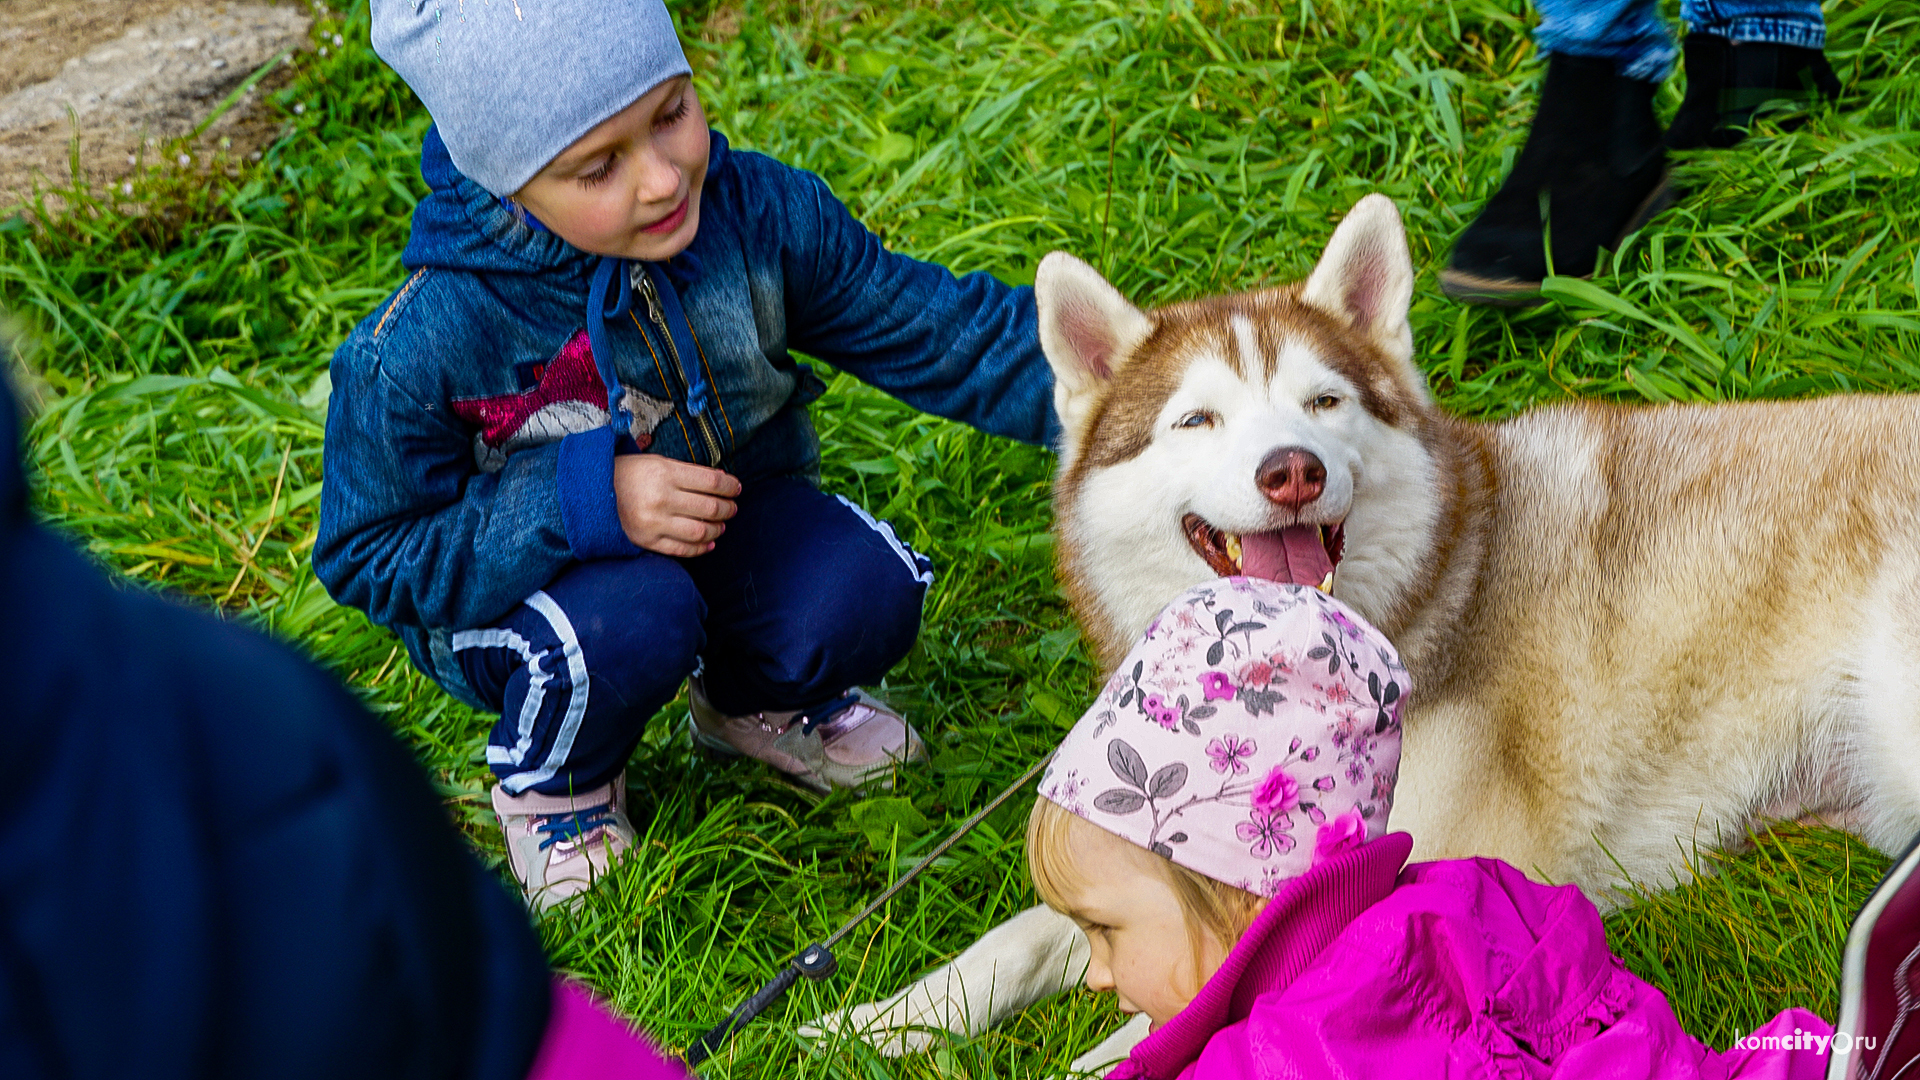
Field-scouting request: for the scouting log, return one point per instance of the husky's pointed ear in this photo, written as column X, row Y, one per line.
column 1086, row 329
column 1366, row 277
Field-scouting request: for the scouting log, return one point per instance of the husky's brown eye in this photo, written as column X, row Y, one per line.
column 1325, row 401
column 1198, row 418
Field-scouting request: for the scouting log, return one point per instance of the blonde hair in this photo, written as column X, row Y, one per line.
column 1213, row 908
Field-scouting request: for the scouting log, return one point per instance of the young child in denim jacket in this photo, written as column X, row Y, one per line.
column 1239, row 807
column 569, row 459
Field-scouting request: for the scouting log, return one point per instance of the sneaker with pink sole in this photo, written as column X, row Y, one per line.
column 858, row 744
column 558, row 845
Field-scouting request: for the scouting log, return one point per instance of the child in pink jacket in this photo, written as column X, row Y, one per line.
column 1217, row 823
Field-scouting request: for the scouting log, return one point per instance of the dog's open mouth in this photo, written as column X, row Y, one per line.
column 1298, row 554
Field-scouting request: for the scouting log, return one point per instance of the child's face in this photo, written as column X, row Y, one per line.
column 1138, row 929
column 631, row 186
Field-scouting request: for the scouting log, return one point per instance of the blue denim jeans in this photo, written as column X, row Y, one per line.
column 1632, row 34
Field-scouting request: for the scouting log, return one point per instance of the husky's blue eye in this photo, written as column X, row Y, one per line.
column 1196, row 419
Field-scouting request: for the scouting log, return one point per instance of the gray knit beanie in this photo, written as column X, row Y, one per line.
column 512, row 83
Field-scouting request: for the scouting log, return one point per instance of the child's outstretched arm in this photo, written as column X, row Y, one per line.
column 966, row 348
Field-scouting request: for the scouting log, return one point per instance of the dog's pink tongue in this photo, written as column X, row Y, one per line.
column 1293, row 554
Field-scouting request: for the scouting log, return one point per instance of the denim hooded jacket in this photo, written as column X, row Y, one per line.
column 476, row 413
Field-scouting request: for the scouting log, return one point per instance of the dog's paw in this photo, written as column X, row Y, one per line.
column 889, row 1026
column 1113, row 1049
column 1033, row 955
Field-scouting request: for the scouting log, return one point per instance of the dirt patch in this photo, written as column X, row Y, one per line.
column 129, row 76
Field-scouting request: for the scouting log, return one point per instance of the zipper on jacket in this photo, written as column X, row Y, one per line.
column 656, row 316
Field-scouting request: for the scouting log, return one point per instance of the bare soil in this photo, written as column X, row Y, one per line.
column 126, row 78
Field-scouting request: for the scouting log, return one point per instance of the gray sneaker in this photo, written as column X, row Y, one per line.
column 859, row 744
column 558, row 845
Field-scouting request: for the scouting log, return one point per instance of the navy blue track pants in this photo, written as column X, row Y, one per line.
column 803, row 597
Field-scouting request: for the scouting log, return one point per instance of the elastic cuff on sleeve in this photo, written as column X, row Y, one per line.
column 588, row 510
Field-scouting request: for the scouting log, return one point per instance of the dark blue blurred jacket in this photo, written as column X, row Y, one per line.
column 216, row 864
column 429, row 528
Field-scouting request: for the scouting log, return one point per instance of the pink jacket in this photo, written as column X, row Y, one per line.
column 1445, row 969
column 586, row 1041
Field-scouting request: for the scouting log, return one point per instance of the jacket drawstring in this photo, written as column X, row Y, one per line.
column 674, row 320
column 611, row 269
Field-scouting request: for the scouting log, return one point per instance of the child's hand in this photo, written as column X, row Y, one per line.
column 670, row 506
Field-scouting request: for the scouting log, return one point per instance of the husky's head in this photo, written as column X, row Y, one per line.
column 1275, row 433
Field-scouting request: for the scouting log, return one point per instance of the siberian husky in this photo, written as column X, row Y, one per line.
column 1629, row 629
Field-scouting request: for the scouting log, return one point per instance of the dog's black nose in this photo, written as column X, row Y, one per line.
column 1291, row 477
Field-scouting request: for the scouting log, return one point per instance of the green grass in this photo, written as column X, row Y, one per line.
column 177, row 345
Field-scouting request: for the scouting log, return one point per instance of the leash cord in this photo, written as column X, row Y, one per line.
column 816, row 961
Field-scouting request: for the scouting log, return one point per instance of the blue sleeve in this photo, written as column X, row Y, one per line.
column 412, row 533
column 967, row 348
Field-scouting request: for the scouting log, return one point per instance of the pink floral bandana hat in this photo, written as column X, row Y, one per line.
column 1251, row 734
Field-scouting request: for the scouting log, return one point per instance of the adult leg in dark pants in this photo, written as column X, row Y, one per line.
column 1595, row 155
column 803, row 597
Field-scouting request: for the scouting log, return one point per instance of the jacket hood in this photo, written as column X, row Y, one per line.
column 462, row 226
